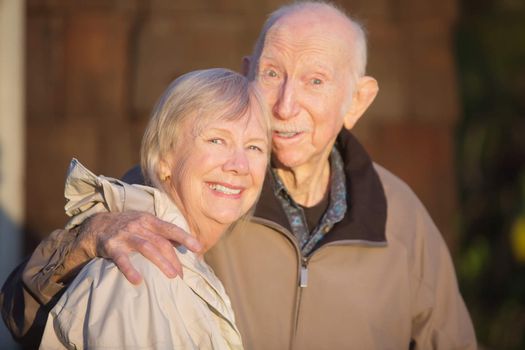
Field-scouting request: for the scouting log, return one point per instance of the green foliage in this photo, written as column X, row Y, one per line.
column 490, row 50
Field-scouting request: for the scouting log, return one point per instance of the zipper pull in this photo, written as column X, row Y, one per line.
column 304, row 276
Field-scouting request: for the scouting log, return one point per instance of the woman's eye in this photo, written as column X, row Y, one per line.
column 317, row 81
column 216, row 141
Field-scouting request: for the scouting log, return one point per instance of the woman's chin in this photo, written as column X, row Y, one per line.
column 226, row 219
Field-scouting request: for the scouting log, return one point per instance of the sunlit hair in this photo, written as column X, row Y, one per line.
column 359, row 43
column 196, row 98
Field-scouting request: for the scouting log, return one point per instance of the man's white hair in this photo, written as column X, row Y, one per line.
column 359, row 52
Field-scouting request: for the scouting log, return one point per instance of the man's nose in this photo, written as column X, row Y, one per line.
column 286, row 103
column 237, row 162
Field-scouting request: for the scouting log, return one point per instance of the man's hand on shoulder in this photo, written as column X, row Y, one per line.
column 115, row 235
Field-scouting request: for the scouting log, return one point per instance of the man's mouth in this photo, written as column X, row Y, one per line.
column 224, row 189
column 286, row 134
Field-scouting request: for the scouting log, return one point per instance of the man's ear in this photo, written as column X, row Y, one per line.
column 245, row 65
column 365, row 92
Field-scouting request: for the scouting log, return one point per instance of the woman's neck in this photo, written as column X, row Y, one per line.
column 207, row 232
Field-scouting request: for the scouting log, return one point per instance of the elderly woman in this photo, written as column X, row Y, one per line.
column 204, row 153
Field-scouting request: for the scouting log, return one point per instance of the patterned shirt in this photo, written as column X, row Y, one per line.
column 335, row 212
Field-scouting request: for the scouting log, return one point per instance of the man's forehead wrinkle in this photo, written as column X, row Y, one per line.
column 313, row 45
column 324, row 24
column 276, row 45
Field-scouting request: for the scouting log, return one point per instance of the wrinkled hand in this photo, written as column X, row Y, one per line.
column 115, row 235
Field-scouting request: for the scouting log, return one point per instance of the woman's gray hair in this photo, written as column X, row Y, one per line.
column 359, row 57
column 197, row 97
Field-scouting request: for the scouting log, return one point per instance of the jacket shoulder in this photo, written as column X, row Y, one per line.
column 407, row 218
column 395, row 188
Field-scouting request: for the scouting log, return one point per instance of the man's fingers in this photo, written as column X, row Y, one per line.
column 124, row 264
column 119, row 234
column 167, row 251
column 159, row 255
column 178, row 235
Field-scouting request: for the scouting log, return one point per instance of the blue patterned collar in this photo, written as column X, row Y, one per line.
column 335, row 212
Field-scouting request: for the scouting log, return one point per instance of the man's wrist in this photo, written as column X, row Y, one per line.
column 78, row 254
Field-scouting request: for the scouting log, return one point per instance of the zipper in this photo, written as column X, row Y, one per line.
column 303, row 279
column 302, row 263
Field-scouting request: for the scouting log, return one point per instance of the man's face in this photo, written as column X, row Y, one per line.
column 305, row 75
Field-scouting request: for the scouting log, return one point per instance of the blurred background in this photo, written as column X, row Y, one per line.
column 79, row 78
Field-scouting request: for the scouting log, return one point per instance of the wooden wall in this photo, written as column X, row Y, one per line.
column 95, row 69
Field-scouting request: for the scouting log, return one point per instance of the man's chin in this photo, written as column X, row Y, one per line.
column 287, row 159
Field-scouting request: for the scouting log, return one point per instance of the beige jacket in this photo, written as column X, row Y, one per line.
column 382, row 278
column 101, row 309
column 350, row 293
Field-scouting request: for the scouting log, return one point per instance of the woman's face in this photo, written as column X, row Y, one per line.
column 217, row 174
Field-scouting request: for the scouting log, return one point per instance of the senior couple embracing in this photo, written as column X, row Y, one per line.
column 312, row 247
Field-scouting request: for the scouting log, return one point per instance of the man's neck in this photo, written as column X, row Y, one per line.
column 306, row 184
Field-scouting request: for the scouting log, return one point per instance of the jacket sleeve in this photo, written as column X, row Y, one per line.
column 29, row 292
column 440, row 319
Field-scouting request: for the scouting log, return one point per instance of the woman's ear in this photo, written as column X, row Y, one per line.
column 164, row 169
column 365, row 92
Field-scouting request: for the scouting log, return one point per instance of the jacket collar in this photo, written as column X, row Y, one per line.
column 365, row 218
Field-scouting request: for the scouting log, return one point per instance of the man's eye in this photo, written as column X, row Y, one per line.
column 255, row 148
column 271, row 73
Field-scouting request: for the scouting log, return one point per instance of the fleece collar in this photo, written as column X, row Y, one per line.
column 365, row 218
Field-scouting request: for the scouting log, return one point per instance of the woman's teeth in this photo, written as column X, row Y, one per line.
column 224, row 189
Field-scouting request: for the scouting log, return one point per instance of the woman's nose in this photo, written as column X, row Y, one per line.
column 237, row 162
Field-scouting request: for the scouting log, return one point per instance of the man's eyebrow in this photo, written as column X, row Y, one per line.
column 268, row 57
column 323, row 67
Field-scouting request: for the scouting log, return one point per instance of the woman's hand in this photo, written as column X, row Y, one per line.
column 115, row 235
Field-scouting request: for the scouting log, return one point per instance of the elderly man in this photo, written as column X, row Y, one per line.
column 339, row 253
